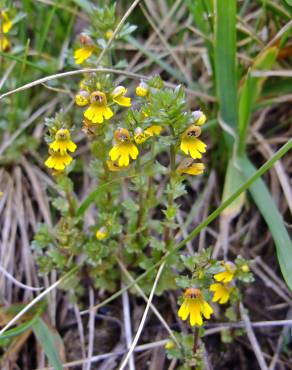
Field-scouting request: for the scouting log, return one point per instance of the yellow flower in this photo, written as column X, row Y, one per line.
column 86, row 50
column 195, row 306
column 58, row 161
column 199, row 117
column 169, row 345
column 98, row 110
column 4, row 43
column 124, row 149
column 119, row 97
column 140, row 136
column 63, row 142
column 142, row 89
column 190, row 144
column 189, row 167
column 154, row 130
column 245, row 268
column 228, row 274
column 5, row 22
column 101, row 233
column 109, row 34
column 221, row 292
column 82, row 54
column 82, row 98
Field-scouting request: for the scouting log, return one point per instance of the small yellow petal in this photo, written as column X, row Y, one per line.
column 133, row 151
column 124, row 160
column 123, row 101
column 82, row 54
column 184, row 311
column 195, row 314
column 4, row 43
column 154, row 130
column 108, row 113
column 6, row 23
column 114, row 153
column 71, row 146
column 49, row 162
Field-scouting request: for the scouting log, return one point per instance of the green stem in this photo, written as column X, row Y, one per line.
column 170, row 200
column 196, row 340
column 141, row 198
column 71, row 202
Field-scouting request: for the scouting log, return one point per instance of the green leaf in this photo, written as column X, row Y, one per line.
column 225, row 63
column 22, row 327
column 50, row 341
column 251, row 91
column 200, row 11
column 18, row 330
column 273, row 218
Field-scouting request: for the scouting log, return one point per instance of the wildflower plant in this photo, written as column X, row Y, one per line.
column 212, row 286
column 143, row 148
column 135, row 141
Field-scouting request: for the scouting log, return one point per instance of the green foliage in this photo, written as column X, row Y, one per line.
column 50, row 342
column 185, row 352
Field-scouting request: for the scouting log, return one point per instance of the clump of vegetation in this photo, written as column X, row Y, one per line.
column 114, row 190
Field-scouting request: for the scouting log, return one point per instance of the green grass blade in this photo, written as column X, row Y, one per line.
column 18, row 330
column 225, row 63
column 23, row 61
column 24, row 326
column 251, row 91
column 233, row 180
column 273, row 218
column 200, row 9
column 49, row 342
column 45, row 29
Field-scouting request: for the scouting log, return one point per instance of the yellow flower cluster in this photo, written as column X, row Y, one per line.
column 6, row 25
column 191, row 145
column 59, row 158
column 223, row 288
column 194, row 304
column 99, row 109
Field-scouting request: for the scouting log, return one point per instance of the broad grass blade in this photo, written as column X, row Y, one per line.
column 49, row 341
column 225, row 63
column 250, row 92
column 233, row 181
column 273, row 218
